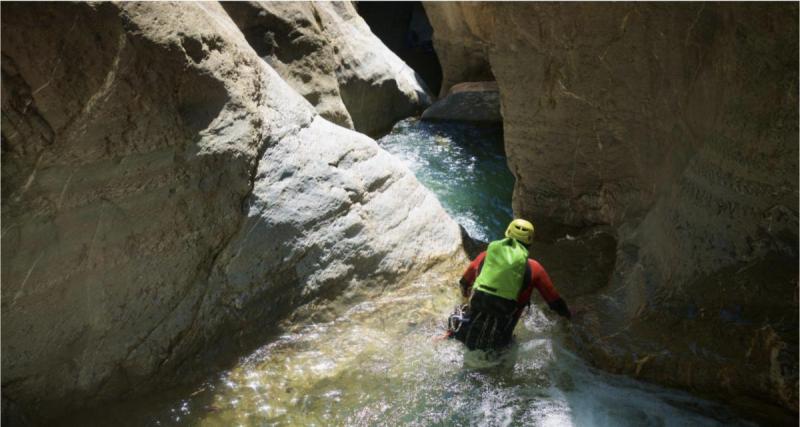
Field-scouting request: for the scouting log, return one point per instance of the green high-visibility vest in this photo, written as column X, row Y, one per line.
column 503, row 269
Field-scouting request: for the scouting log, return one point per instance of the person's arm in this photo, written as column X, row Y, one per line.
column 469, row 276
column 542, row 282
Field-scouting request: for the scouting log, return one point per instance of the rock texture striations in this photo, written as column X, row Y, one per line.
column 167, row 197
column 672, row 129
column 327, row 53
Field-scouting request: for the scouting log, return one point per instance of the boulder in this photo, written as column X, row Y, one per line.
column 674, row 127
column 471, row 102
column 167, row 198
column 327, row 53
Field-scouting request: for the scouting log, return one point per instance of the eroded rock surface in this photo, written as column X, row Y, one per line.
column 461, row 36
column 327, row 53
column 469, row 101
column 167, row 197
column 675, row 126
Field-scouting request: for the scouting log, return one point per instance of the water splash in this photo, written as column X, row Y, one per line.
column 379, row 364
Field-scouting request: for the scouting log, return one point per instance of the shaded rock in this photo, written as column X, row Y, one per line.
column 723, row 334
column 581, row 263
column 675, row 126
column 404, row 28
column 472, row 247
column 327, row 53
column 461, row 36
column 167, row 198
column 471, row 102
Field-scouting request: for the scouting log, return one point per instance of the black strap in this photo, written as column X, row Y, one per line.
column 526, row 279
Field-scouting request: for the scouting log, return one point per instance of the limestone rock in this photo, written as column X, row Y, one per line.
column 675, row 126
column 326, row 52
column 471, row 101
column 404, row 28
column 167, row 197
column 462, row 33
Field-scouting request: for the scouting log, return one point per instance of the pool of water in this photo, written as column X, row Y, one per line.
column 381, row 361
column 464, row 165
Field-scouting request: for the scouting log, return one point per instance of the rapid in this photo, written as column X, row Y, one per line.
column 380, row 362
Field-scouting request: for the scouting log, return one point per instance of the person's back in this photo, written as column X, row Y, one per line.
column 499, row 283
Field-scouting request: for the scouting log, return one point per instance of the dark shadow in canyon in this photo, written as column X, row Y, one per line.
column 404, row 28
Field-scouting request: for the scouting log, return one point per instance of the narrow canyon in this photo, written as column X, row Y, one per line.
column 199, row 189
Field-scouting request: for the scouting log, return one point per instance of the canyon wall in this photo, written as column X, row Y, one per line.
column 328, row 54
column 167, row 198
column 667, row 131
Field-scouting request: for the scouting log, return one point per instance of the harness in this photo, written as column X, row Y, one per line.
column 492, row 313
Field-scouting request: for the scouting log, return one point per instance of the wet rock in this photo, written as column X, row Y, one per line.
column 471, row 102
column 729, row 332
column 167, row 198
column 327, row 53
column 675, row 126
column 580, row 262
column 472, row 247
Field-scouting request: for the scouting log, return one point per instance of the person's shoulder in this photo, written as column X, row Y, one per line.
column 535, row 265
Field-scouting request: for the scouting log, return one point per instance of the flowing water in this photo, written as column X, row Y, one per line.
column 464, row 165
column 379, row 362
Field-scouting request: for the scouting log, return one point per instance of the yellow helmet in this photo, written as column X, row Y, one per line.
column 521, row 230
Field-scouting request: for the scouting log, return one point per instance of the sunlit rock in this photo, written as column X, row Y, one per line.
column 327, row 53
column 167, row 198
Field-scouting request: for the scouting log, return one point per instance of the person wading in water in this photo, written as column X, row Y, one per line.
column 499, row 283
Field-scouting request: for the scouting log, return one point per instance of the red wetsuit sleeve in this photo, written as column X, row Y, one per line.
column 469, row 276
column 542, row 282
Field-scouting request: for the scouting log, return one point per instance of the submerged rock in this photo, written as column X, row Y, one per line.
column 327, row 53
column 167, row 198
column 676, row 126
column 471, row 102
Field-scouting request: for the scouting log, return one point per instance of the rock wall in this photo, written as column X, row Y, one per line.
column 327, row 53
column 167, row 198
column 461, row 36
column 404, row 28
column 673, row 129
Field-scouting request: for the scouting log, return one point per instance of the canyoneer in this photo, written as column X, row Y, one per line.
column 499, row 283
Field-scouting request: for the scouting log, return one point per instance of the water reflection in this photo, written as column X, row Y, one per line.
column 379, row 363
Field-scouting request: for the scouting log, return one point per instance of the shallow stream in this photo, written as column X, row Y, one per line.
column 380, row 363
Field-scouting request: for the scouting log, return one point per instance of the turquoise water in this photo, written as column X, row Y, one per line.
column 464, row 165
column 379, row 362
